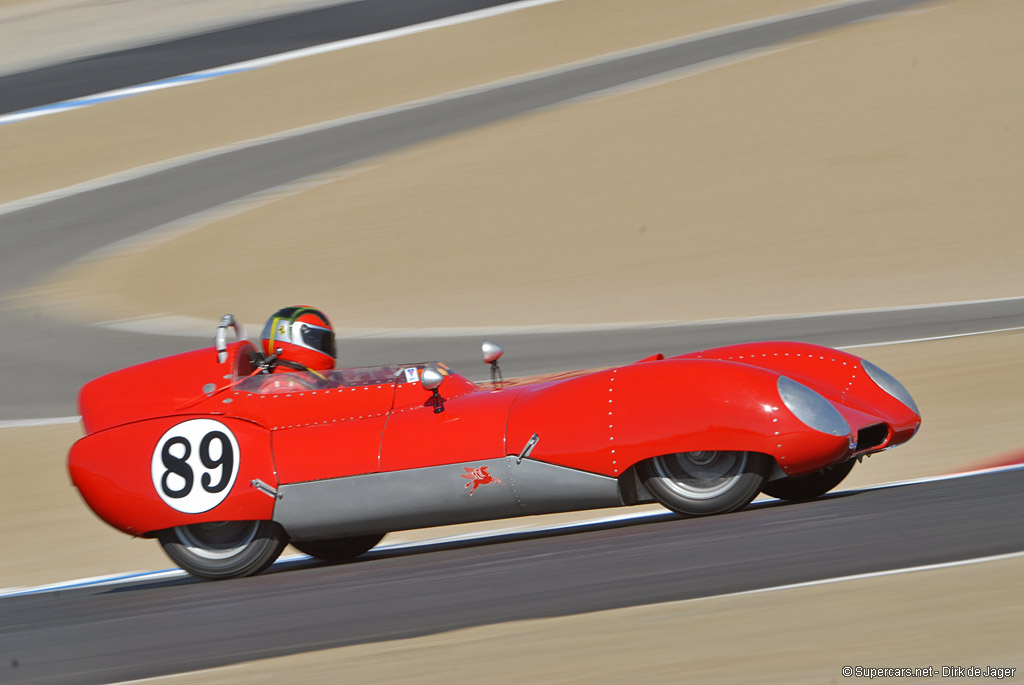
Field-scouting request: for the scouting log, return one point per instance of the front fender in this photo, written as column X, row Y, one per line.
column 607, row 421
column 837, row 375
column 150, row 475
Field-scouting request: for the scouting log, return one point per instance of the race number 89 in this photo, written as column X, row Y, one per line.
column 194, row 465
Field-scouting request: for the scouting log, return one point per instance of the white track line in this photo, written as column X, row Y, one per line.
column 934, row 337
column 901, row 13
column 259, row 63
column 167, row 676
column 860, row 576
column 168, row 574
column 31, row 423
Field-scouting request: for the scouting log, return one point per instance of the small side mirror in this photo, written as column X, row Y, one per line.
column 492, row 351
column 431, row 379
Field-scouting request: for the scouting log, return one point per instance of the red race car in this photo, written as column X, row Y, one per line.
column 225, row 465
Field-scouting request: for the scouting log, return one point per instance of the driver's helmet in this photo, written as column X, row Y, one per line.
column 304, row 337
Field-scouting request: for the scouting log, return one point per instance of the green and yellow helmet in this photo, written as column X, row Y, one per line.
column 302, row 337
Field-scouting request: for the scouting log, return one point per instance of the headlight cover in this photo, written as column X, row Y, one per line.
column 888, row 382
column 811, row 408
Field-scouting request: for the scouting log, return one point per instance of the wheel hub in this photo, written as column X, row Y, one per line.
column 218, row 540
column 703, row 474
column 704, row 458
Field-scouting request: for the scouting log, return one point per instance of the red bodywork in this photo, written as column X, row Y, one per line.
column 380, row 420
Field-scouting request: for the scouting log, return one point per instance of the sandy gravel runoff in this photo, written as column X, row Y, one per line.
column 780, row 184
column 51, row 152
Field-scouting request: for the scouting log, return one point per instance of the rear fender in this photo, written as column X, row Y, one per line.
column 150, row 475
column 171, row 385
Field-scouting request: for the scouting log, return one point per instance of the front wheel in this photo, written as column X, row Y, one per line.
column 706, row 482
column 338, row 549
column 800, row 488
column 224, row 549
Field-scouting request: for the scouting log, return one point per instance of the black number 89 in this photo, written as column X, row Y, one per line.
column 178, row 465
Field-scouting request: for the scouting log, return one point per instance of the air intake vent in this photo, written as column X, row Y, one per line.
column 872, row 437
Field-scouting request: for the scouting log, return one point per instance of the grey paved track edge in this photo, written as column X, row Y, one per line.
column 107, row 634
column 46, row 360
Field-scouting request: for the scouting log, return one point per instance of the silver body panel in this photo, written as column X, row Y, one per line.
column 437, row 496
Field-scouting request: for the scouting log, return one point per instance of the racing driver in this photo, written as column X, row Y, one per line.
column 298, row 339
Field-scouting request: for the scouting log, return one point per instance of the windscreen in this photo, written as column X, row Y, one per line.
column 301, row 381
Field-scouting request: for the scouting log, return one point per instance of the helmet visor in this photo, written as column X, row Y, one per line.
column 317, row 338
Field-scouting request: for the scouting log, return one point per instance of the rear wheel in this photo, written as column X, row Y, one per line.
column 224, row 549
column 799, row 488
column 338, row 549
column 706, row 482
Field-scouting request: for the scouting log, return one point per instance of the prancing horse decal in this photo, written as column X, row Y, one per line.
column 477, row 477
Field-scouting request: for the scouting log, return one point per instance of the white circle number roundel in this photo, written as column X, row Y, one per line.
column 195, row 464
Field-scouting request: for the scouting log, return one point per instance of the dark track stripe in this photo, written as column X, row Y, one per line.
column 100, row 73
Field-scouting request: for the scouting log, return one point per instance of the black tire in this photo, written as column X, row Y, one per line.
column 225, row 549
column 705, row 483
column 338, row 549
column 801, row 488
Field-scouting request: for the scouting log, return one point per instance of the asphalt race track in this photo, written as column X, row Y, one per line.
column 129, row 632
